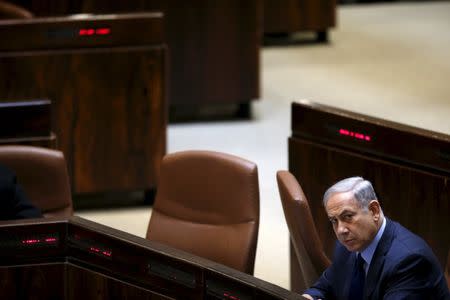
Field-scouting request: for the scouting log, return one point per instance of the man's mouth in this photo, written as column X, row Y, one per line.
column 349, row 241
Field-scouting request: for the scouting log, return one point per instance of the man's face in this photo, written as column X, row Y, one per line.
column 354, row 227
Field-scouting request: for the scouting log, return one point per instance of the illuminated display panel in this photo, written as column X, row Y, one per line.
column 356, row 132
column 94, row 31
column 90, row 246
column 356, row 135
column 40, row 241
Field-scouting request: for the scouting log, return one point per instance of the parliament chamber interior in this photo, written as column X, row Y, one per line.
column 149, row 133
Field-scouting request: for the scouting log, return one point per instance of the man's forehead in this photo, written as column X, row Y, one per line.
column 339, row 202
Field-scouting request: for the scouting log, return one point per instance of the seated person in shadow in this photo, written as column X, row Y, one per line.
column 375, row 258
column 14, row 204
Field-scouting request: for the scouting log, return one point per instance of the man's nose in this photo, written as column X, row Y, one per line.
column 341, row 228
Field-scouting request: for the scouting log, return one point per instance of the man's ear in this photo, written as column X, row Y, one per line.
column 375, row 209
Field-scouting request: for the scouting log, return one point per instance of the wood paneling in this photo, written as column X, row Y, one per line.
column 213, row 46
column 288, row 16
column 86, row 260
column 26, row 123
column 37, row 282
column 108, row 93
column 87, row 284
column 109, row 111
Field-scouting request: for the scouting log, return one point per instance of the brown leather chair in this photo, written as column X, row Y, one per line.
column 13, row 11
column 207, row 204
column 43, row 174
column 447, row 270
column 308, row 248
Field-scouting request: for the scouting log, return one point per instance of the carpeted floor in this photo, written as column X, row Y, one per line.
column 386, row 60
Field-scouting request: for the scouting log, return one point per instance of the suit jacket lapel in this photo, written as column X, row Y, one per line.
column 378, row 258
column 351, row 259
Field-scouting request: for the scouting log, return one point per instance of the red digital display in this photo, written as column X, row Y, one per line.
column 356, row 135
column 39, row 241
column 94, row 31
column 100, row 251
column 229, row 296
column 92, row 247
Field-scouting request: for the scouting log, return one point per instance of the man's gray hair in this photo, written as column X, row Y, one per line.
column 361, row 189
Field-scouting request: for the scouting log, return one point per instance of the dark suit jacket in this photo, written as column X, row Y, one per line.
column 13, row 202
column 403, row 267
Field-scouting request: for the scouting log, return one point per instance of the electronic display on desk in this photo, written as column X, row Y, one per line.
column 30, row 241
column 354, row 134
column 94, row 31
column 342, row 133
column 171, row 273
column 49, row 240
column 68, row 33
column 89, row 246
column 390, row 141
column 219, row 289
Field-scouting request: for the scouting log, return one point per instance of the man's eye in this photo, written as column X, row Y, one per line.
column 347, row 217
column 333, row 221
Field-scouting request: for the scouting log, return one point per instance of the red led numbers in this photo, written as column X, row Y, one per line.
column 99, row 251
column 94, row 31
column 356, row 135
column 40, row 241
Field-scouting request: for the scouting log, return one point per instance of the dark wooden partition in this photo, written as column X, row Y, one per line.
column 409, row 168
column 290, row 16
column 213, row 47
column 79, row 259
column 27, row 123
column 106, row 78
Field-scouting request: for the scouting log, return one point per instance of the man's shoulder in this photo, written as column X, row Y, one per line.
column 407, row 244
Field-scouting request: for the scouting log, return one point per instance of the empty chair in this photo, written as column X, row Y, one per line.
column 207, row 204
column 308, row 248
column 43, row 174
column 13, row 11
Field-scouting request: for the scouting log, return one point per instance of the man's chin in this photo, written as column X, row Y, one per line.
column 351, row 245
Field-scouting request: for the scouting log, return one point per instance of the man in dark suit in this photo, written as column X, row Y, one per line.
column 375, row 258
column 14, row 204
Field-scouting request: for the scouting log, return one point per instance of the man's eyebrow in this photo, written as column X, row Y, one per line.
column 345, row 211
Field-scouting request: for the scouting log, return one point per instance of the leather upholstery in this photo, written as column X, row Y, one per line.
column 305, row 239
column 207, row 204
column 43, row 174
column 13, row 11
column 447, row 270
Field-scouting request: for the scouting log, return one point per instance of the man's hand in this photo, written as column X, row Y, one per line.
column 309, row 297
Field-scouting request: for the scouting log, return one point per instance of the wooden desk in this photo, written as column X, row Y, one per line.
column 290, row 16
column 106, row 77
column 79, row 259
column 408, row 167
column 26, row 123
column 213, row 48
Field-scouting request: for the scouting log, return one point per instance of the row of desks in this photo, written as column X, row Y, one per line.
column 79, row 259
column 114, row 79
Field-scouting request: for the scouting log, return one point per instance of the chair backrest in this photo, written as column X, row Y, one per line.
column 305, row 239
column 207, row 204
column 43, row 174
column 13, row 11
column 447, row 270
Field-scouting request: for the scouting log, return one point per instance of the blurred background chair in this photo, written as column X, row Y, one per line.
column 43, row 174
column 308, row 248
column 447, row 270
column 13, row 11
column 207, row 204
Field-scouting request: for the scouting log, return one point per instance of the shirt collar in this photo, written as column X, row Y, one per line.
column 367, row 253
